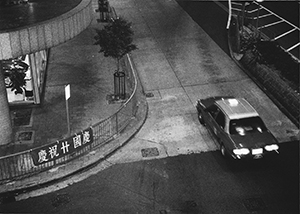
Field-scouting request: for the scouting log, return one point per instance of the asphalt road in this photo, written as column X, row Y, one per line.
column 186, row 176
column 196, row 183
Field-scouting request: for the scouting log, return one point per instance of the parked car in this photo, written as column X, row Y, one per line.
column 237, row 126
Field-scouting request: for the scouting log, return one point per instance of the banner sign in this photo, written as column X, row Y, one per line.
column 61, row 148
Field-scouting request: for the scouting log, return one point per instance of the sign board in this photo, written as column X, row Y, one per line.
column 67, row 91
column 62, row 148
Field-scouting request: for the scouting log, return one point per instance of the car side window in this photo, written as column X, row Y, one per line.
column 220, row 119
column 213, row 110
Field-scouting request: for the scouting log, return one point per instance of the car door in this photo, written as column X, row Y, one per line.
column 218, row 123
column 210, row 115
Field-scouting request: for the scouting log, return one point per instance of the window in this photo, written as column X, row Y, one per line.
column 220, row 119
column 247, row 125
column 213, row 110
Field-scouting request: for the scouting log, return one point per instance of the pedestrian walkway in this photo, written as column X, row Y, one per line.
column 90, row 75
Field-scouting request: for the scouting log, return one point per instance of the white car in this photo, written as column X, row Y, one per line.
column 237, row 127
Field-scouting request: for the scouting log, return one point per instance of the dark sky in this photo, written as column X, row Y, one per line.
column 289, row 10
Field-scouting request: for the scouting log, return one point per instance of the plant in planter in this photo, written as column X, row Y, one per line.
column 277, row 58
column 115, row 40
column 272, row 55
column 15, row 73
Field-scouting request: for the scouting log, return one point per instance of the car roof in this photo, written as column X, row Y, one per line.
column 236, row 108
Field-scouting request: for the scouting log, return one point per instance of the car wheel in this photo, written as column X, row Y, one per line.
column 200, row 118
column 223, row 151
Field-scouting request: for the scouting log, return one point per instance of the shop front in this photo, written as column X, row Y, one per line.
column 24, row 78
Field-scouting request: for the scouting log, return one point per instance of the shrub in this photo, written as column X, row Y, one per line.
column 273, row 54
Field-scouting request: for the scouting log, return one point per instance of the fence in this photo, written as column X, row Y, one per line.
column 23, row 164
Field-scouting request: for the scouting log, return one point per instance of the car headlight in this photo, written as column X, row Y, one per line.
column 242, row 151
column 271, row 147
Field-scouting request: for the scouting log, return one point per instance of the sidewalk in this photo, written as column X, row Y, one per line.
column 90, row 75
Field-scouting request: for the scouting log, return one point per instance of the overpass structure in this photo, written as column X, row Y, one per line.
column 273, row 26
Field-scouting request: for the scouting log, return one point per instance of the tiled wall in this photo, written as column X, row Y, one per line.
column 46, row 34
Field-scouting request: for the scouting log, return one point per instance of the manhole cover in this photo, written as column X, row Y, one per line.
column 150, row 152
column 22, row 117
column 25, row 136
column 61, row 199
column 254, row 204
column 150, row 94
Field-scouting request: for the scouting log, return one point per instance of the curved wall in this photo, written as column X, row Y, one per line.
column 46, row 34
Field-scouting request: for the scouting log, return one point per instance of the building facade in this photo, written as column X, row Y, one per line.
column 25, row 44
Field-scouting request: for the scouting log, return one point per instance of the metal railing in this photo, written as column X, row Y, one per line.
column 272, row 26
column 21, row 165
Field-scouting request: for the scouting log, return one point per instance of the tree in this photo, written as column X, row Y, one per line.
column 115, row 40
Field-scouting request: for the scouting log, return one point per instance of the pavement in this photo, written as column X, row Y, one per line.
column 177, row 63
column 90, row 75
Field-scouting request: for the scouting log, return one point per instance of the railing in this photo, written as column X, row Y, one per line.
column 20, row 165
column 272, row 26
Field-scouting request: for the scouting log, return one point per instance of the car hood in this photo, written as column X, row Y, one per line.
column 253, row 140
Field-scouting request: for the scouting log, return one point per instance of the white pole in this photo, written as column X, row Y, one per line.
column 229, row 14
column 68, row 95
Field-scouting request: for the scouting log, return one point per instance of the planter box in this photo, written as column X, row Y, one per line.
column 275, row 85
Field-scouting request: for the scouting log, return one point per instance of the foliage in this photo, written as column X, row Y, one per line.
column 248, row 41
column 15, row 73
column 18, row 81
column 274, row 55
column 271, row 54
column 115, row 40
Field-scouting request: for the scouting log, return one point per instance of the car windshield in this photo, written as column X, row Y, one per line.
column 247, row 125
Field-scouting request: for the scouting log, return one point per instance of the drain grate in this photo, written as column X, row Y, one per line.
column 150, row 152
column 25, row 136
column 22, row 117
column 149, row 94
column 61, row 199
column 254, row 204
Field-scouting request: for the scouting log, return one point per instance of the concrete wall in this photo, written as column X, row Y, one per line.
column 46, row 34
